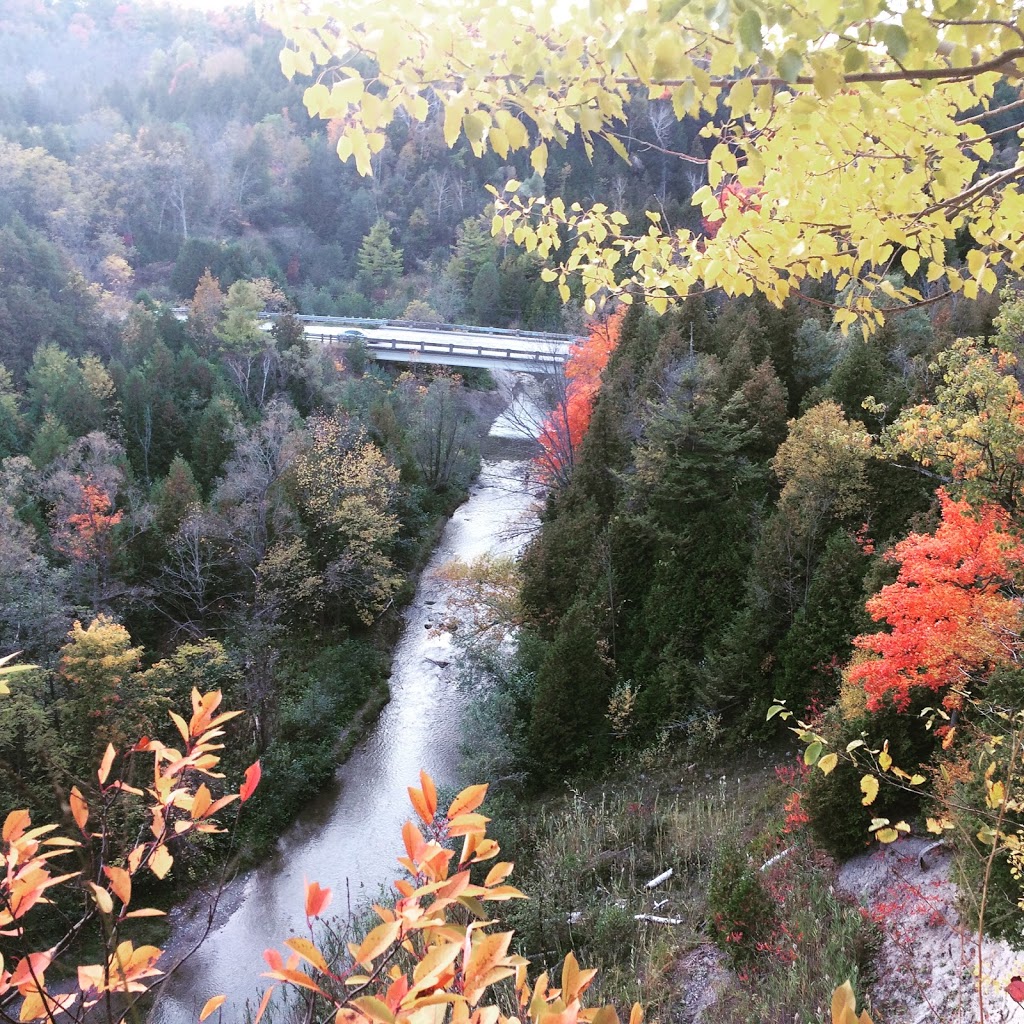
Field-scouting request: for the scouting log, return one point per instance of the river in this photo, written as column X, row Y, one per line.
column 348, row 839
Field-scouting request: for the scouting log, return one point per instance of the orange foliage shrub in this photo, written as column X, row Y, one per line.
column 952, row 613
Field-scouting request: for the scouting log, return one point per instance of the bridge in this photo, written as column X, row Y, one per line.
column 409, row 341
column 404, row 341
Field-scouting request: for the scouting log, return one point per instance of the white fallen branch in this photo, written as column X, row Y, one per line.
column 775, row 860
column 658, row 879
column 654, row 919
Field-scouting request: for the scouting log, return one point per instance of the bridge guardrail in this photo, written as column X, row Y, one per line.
column 419, row 325
column 453, row 348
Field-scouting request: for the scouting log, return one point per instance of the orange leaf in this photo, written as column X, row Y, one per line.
column 429, row 793
column 211, row 1004
column 316, row 899
column 252, row 780
column 15, row 824
column 420, row 805
column 263, row 1005
column 201, row 802
column 308, row 952
column 498, row 873
column 487, row 953
column 160, row 862
column 463, row 823
column 414, row 844
column 296, row 978
column 468, row 800
column 108, row 760
column 377, row 940
column 181, row 725
column 121, row 883
column 79, row 808
column 147, row 912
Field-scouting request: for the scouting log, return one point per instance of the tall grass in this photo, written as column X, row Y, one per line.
column 585, row 860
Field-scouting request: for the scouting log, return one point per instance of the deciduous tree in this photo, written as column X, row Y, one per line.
column 862, row 127
column 953, row 613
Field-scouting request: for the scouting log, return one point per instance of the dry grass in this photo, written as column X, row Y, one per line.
column 585, row 859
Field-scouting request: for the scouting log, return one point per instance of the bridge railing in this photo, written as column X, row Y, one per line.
column 420, row 325
column 452, row 348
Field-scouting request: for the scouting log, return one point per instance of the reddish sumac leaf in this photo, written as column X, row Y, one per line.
column 252, row 780
column 951, row 612
column 316, row 899
column 564, row 428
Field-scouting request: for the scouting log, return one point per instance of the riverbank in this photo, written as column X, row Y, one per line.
column 348, row 836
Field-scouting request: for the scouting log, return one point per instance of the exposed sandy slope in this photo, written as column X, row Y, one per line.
column 928, row 964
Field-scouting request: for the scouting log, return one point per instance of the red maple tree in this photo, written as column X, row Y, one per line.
column 84, row 532
column 953, row 613
column 564, row 428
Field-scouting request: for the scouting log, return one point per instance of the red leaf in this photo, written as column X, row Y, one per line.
column 252, row 780
column 316, row 899
column 1015, row 990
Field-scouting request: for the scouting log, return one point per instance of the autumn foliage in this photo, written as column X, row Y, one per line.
column 953, row 612
column 436, row 946
column 564, row 428
column 732, row 196
column 84, row 533
column 178, row 803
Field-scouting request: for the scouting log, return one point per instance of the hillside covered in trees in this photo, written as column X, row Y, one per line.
column 752, row 514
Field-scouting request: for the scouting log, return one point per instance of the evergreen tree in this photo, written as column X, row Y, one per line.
column 380, row 262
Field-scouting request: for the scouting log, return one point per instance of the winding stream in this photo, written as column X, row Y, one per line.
column 349, row 838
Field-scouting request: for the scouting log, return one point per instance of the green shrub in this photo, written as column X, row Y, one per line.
column 838, row 819
column 739, row 910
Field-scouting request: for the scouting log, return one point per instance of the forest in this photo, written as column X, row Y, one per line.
column 770, row 618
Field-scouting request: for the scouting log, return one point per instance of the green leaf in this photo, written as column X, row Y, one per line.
column 749, row 26
column 854, row 60
column 896, row 41
column 790, row 64
column 670, row 9
column 812, row 753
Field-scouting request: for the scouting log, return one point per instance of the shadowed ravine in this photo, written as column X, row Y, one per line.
column 349, row 838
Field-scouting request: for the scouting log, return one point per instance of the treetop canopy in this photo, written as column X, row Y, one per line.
column 865, row 130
